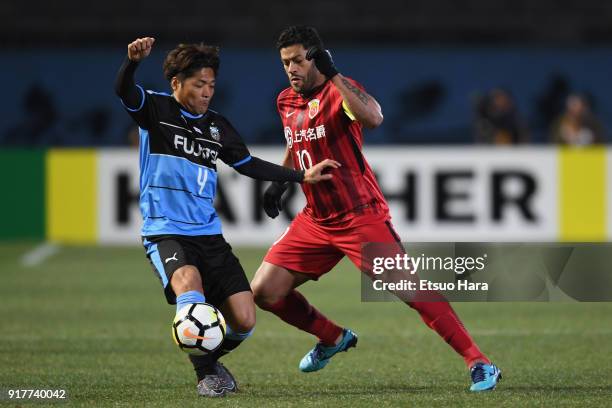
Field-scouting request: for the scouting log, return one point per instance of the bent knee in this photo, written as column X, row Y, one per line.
column 258, row 290
column 244, row 323
column 267, row 294
column 265, row 299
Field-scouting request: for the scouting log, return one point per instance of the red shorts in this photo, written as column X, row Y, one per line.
column 314, row 249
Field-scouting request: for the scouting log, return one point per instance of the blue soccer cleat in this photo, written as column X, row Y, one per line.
column 484, row 377
column 319, row 356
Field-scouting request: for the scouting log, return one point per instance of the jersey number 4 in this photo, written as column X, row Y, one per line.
column 202, row 177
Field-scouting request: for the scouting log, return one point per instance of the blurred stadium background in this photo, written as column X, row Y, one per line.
column 497, row 120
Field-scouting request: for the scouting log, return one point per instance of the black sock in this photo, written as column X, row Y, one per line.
column 227, row 346
column 204, row 365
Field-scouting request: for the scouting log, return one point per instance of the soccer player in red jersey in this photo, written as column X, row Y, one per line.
column 323, row 113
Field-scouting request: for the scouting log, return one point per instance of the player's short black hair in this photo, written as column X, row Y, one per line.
column 305, row 35
column 186, row 59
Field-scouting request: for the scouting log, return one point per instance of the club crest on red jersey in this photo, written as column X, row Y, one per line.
column 313, row 108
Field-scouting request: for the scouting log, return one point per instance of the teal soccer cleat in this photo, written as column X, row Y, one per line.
column 484, row 377
column 319, row 356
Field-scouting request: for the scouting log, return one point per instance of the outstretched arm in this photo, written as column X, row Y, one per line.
column 264, row 170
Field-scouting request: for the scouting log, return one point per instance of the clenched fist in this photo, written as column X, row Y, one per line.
column 140, row 48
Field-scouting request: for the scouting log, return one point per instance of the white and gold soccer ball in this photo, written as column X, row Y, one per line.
column 198, row 328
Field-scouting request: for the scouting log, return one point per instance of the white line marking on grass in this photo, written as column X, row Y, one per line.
column 39, row 254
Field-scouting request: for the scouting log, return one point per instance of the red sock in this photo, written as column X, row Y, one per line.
column 295, row 310
column 441, row 317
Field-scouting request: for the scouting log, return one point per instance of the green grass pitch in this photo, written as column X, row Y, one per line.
column 93, row 321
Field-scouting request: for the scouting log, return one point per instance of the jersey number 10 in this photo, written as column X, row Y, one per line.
column 304, row 160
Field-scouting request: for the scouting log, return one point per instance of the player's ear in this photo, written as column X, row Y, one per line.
column 175, row 83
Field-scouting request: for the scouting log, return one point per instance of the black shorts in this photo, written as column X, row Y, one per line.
column 221, row 272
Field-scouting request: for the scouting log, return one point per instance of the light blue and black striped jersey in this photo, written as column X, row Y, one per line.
column 178, row 172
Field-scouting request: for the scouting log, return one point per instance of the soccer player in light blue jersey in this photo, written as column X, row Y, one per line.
column 181, row 140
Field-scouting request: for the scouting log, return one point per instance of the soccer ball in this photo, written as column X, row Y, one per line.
column 198, row 329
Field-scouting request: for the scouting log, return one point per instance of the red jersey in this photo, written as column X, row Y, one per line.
column 320, row 127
